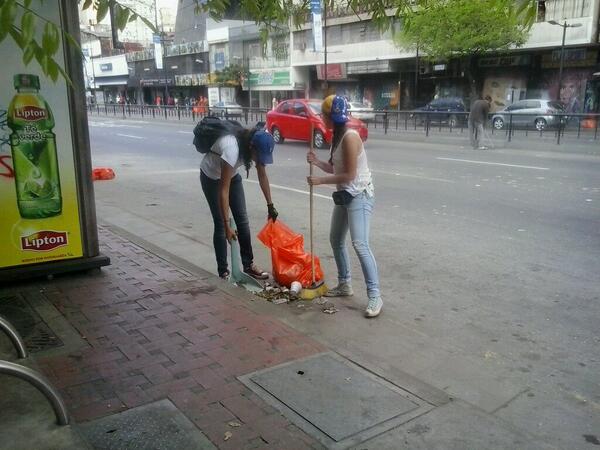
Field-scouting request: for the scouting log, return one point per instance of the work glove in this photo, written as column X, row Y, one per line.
column 272, row 212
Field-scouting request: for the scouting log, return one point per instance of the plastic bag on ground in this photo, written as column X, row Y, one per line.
column 290, row 261
column 103, row 173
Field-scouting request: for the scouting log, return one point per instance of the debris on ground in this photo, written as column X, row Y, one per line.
column 234, row 424
column 329, row 308
column 275, row 294
column 227, row 435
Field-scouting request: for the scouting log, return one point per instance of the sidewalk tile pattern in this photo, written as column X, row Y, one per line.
column 156, row 331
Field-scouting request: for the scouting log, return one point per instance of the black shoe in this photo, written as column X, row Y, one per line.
column 225, row 275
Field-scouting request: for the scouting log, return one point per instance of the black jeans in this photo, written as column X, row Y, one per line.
column 237, row 204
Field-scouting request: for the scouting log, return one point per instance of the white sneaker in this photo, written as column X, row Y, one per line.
column 374, row 307
column 341, row 290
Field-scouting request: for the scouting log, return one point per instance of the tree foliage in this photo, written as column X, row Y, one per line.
column 19, row 22
column 232, row 75
column 443, row 29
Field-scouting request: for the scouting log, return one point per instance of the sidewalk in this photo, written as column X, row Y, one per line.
column 154, row 332
column 161, row 357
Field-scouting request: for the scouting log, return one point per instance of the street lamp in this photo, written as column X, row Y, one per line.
column 564, row 26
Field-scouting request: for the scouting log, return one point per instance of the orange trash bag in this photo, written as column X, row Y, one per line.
column 103, row 173
column 290, row 261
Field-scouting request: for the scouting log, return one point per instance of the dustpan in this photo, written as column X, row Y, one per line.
column 238, row 276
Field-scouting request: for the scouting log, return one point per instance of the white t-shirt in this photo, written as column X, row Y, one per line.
column 224, row 149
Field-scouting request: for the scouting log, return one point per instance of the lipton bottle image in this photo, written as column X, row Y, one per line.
column 33, row 145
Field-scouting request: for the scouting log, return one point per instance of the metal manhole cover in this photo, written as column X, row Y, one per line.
column 35, row 332
column 338, row 402
column 158, row 425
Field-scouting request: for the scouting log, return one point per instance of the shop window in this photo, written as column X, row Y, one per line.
column 300, row 39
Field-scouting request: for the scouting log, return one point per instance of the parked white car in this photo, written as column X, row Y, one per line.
column 226, row 109
column 360, row 111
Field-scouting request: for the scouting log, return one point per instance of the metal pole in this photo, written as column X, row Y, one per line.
column 416, row 76
column 562, row 59
column 14, row 336
column 42, row 384
column 325, row 84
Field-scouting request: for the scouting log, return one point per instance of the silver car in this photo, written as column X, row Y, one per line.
column 539, row 114
column 226, row 109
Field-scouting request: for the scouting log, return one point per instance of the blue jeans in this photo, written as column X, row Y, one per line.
column 356, row 217
column 237, row 204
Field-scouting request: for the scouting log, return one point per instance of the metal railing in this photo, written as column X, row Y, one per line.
column 190, row 113
column 556, row 126
column 33, row 377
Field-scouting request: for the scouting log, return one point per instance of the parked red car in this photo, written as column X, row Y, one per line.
column 292, row 119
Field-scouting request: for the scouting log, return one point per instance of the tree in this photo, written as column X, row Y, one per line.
column 18, row 21
column 446, row 29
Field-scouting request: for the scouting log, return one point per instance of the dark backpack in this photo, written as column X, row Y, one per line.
column 210, row 128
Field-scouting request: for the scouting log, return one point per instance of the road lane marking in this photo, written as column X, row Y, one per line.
column 130, row 136
column 407, row 175
column 285, row 188
column 494, row 164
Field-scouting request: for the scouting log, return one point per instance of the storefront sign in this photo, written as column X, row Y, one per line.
column 155, row 81
column 186, row 48
column 574, row 57
column 334, row 71
column 192, row 79
column 40, row 219
column 107, row 67
column 503, row 61
column 439, row 67
column 381, row 66
column 270, row 78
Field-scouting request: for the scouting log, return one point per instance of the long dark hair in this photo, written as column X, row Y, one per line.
column 244, row 137
column 338, row 134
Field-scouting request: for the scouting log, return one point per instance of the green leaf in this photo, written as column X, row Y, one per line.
column 29, row 53
column 52, row 69
column 50, row 38
column 65, row 75
column 16, row 35
column 27, row 3
column 86, row 4
column 121, row 16
column 27, row 27
column 103, row 6
column 149, row 24
column 7, row 15
column 72, row 42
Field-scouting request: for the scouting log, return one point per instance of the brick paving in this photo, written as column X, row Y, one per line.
column 156, row 331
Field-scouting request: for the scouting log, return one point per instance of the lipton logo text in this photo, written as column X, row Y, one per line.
column 31, row 113
column 44, row 241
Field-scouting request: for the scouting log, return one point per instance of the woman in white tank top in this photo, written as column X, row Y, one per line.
column 353, row 199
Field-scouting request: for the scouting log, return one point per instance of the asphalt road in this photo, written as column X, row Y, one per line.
column 489, row 260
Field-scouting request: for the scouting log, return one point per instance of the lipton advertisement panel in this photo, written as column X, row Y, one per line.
column 39, row 210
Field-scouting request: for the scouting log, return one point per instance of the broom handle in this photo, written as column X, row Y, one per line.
column 312, row 253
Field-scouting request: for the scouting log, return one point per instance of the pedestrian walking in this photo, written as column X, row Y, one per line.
column 223, row 189
column 477, row 120
column 354, row 200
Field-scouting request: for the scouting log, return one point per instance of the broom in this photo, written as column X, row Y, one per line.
column 316, row 289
